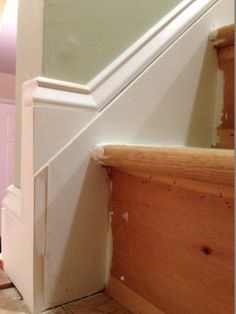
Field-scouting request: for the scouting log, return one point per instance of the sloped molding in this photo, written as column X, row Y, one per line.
column 145, row 50
column 60, row 93
column 115, row 77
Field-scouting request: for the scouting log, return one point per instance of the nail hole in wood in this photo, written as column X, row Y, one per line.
column 207, row 250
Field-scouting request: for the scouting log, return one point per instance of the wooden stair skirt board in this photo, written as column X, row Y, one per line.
column 172, row 228
column 223, row 40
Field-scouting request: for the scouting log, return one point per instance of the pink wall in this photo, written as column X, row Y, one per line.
column 7, row 86
column 8, row 31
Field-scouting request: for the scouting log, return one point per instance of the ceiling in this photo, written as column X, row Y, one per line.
column 8, row 27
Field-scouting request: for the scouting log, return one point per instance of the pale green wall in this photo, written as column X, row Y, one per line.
column 82, row 37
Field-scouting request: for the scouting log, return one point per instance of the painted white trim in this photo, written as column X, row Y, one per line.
column 142, row 53
column 115, row 77
column 12, row 201
column 62, row 85
column 60, row 94
column 61, row 98
column 139, row 44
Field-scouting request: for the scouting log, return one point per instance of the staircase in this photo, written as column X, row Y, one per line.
column 173, row 218
column 223, row 40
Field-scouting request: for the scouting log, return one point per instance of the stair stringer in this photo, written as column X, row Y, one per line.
column 157, row 108
column 64, row 202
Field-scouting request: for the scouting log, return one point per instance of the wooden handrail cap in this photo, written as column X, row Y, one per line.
column 204, row 164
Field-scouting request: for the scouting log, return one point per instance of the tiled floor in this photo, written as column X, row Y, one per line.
column 11, row 303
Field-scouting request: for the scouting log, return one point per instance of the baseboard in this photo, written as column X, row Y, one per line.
column 130, row 299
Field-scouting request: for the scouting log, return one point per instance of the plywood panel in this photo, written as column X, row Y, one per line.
column 173, row 243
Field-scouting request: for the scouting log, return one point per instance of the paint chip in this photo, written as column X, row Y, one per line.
column 97, row 153
column 122, row 278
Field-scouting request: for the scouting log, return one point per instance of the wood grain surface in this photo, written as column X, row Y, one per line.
column 210, row 165
column 173, row 241
column 225, row 51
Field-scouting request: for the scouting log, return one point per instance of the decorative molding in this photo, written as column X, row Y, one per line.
column 49, row 92
column 12, row 201
column 139, row 44
column 115, row 77
column 62, row 85
column 61, row 98
column 145, row 50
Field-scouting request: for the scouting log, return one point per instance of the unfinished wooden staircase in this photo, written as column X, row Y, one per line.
column 172, row 228
column 223, row 40
column 173, row 218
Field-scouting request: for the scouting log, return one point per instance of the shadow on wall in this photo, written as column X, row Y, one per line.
column 203, row 121
column 195, row 113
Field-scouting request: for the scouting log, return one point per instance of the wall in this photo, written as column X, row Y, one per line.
column 82, row 37
column 28, row 59
column 7, row 86
column 7, row 132
column 8, row 21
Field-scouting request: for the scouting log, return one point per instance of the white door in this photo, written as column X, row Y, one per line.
column 7, row 146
